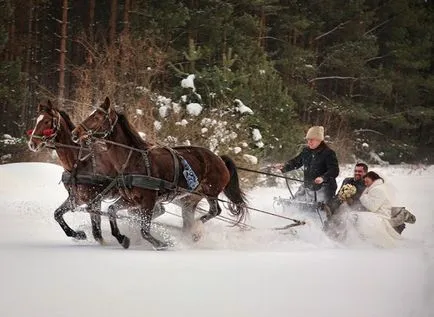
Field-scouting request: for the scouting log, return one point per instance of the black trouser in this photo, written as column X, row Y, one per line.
column 334, row 203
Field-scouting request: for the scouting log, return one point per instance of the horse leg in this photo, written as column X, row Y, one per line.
column 214, row 210
column 112, row 210
column 159, row 210
column 145, row 229
column 187, row 218
column 95, row 218
column 58, row 216
column 188, row 205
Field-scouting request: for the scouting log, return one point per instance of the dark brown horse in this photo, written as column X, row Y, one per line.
column 53, row 128
column 215, row 174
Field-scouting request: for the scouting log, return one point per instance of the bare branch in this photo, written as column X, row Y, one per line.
column 377, row 26
column 377, row 57
column 326, row 98
column 332, row 77
column 367, row 130
column 273, row 38
column 332, row 30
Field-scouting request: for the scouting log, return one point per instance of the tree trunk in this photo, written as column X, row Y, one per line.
column 262, row 28
column 113, row 18
column 63, row 35
column 29, row 48
column 126, row 18
column 91, row 26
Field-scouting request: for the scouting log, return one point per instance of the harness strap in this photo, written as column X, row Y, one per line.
column 175, row 156
column 143, row 181
column 147, row 162
column 84, row 179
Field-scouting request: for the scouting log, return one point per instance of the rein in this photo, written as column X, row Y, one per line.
column 270, row 174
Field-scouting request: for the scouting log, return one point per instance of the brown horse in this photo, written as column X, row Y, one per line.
column 84, row 179
column 131, row 155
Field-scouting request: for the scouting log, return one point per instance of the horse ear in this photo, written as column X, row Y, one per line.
column 106, row 104
column 49, row 104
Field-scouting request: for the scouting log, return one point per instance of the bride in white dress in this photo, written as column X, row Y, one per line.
column 373, row 224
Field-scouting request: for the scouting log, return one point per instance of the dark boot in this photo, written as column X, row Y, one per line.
column 400, row 228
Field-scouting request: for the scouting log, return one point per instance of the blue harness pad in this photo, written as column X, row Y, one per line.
column 189, row 175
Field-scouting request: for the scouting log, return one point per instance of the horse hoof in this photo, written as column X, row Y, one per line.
column 196, row 237
column 100, row 241
column 80, row 235
column 125, row 242
column 161, row 247
column 197, row 230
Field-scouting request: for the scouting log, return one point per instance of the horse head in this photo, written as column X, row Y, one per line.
column 46, row 127
column 100, row 123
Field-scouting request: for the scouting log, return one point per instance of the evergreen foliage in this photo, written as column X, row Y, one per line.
column 363, row 69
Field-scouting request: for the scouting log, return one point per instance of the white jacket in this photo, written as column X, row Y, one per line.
column 375, row 199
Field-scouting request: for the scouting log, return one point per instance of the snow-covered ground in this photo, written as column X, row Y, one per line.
column 228, row 273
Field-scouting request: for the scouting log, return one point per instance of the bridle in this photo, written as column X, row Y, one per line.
column 48, row 135
column 98, row 132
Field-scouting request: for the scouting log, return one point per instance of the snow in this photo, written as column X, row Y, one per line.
column 250, row 159
column 256, row 135
column 163, row 101
column 237, row 149
column 163, row 111
column 9, row 140
column 242, row 108
column 176, row 107
column 259, row 144
column 183, row 122
column 194, row 109
column 157, row 125
column 142, row 135
column 189, row 82
column 376, row 158
column 228, row 273
column 142, row 89
column 5, row 157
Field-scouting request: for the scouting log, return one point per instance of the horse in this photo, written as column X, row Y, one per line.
column 132, row 156
column 82, row 177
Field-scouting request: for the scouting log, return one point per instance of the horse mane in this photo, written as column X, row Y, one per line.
column 67, row 119
column 133, row 136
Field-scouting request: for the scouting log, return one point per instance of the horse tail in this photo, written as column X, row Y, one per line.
column 238, row 202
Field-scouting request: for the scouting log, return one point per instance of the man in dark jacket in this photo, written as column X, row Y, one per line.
column 320, row 167
column 360, row 171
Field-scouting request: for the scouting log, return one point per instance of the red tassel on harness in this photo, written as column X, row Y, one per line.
column 48, row 132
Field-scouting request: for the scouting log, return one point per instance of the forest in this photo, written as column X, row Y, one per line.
column 246, row 77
